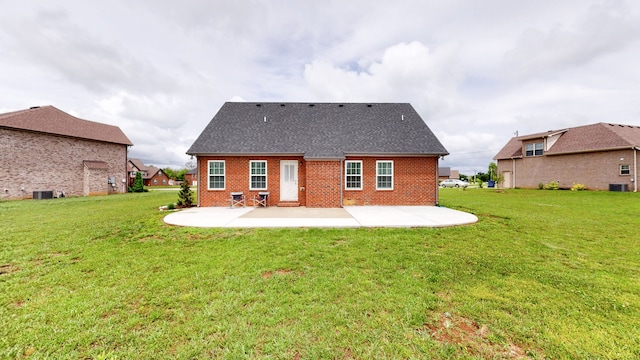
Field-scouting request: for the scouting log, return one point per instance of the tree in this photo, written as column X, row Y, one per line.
column 493, row 171
column 138, row 184
column 185, row 197
column 494, row 174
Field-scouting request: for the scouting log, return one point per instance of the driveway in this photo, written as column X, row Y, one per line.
column 349, row 216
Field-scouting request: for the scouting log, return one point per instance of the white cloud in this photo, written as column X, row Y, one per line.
column 475, row 71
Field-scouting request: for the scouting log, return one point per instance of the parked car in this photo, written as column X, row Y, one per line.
column 454, row 183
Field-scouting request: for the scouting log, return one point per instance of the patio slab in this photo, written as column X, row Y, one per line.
column 350, row 216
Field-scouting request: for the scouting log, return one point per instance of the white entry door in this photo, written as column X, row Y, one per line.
column 288, row 180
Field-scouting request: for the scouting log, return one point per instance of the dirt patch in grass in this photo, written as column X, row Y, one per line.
column 477, row 340
column 8, row 269
column 268, row 274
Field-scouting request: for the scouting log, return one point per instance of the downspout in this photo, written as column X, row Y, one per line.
column 341, row 182
column 513, row 171
column 437, row 179
column 199, row 180
column 635, row 169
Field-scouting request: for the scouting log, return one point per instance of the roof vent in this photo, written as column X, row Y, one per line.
column 281, row 104
column 312, row 105
column 341, row 105
column 34, row 107
column 258, row 105
column 368, row 105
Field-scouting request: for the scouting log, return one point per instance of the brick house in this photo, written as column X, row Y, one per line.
column 318, row 155
column 46, row 149
column 601, row 156
column 151, row 175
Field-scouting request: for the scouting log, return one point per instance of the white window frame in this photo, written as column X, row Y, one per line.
column 251, row 175
column 625, row 172
column 536, row 149
column 378, row 175
column 224, row 174
column 347, row 175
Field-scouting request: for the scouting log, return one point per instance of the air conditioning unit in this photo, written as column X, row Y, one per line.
column 40, row 195
column 619, row 187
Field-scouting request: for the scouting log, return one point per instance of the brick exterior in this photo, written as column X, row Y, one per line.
column 158, row 179
column 596, row 170
column 415, row 183
column 32, row 161
column 323, row 184
column 320, row 182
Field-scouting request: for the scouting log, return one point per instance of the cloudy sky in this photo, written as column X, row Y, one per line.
column 476, row 71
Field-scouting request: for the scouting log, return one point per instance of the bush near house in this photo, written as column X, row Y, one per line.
column 578, row 187
column 542, row 275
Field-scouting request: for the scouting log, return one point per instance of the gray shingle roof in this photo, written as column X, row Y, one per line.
column 317, row 130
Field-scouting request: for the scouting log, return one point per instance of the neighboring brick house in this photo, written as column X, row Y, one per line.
column 191, row 177
column 46, row 149
column 601, row 156
column 318, row 155
column 151, row 175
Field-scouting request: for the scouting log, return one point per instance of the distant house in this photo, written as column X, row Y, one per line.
column 45, row 150
column 318, row 155
column 151, row 175
column 191, row 177
column 601, row 156
column 446, row 173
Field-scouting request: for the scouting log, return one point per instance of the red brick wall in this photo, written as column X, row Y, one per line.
column 319, row 182
column 323, row 184
column 414, row 183
column 237, row 179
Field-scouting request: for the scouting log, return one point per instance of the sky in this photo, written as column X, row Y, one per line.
column 477, row 72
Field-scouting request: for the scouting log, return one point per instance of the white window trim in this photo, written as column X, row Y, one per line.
column 628, row 170
column 345, row 175
column 224, row 174
column 392, row 175
column 266, row 178
column 539, row 146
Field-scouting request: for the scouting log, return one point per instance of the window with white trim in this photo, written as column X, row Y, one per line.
column 534, row 149
column 384, row 175
column 625, row 170
column 353, row 174
column 258, row 175
column 216, row 175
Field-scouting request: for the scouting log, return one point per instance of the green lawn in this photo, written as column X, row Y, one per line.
column 543, row 274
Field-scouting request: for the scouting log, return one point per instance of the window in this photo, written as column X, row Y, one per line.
column 384, row 175
column 533, row 149
column 216, row 175
column 353, row 175
column 258, row 177
column 625, row 170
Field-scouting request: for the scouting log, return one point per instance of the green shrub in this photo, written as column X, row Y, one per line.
column 553, row 185
column 171, row 206
column 578, row 187
column 540, row 186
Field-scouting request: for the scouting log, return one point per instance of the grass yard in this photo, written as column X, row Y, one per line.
column 543, row 274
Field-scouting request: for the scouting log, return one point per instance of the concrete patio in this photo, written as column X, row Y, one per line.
column 349, row 216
